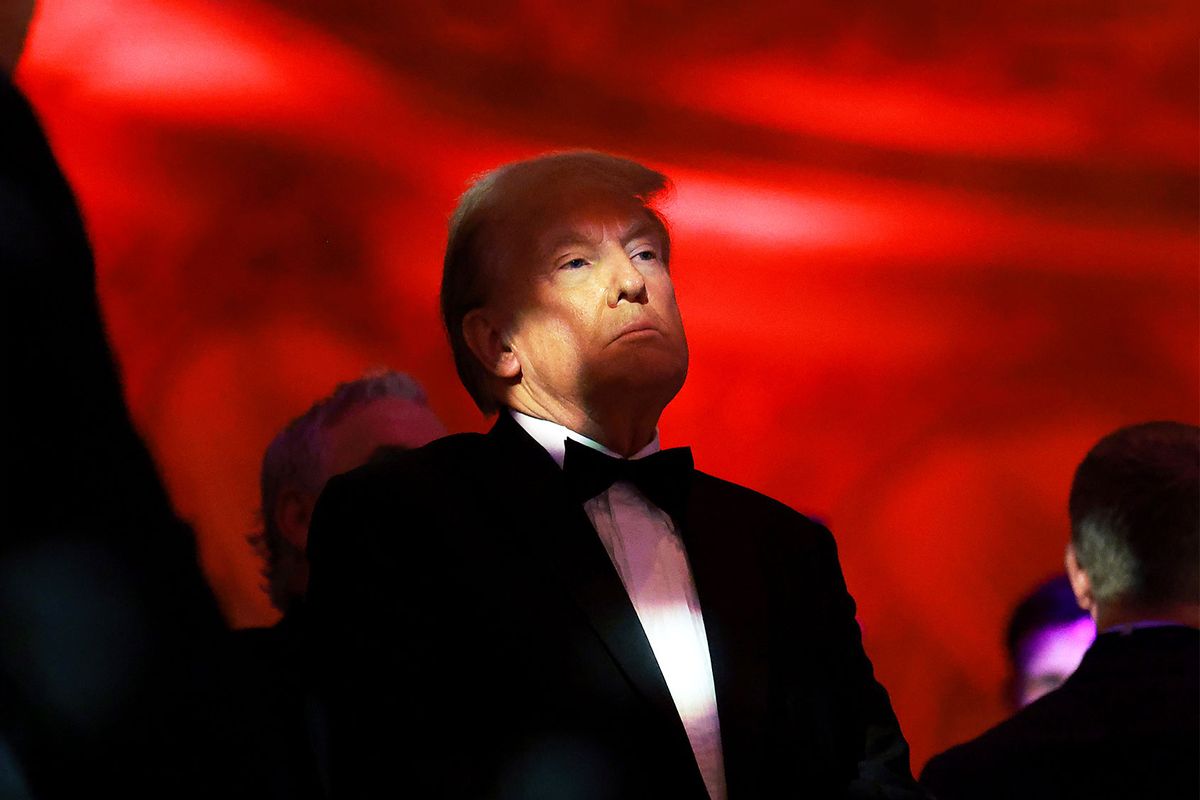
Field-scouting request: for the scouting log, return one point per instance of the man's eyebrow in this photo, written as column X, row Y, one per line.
column 641, row 229
column 556, row 242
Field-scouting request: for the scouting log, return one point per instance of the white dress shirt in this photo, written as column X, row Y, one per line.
column 648, row 554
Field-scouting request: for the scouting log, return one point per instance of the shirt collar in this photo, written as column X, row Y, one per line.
column 553, row 438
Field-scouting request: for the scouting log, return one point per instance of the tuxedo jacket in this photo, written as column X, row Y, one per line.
column 1126, row 724
column 472, row 639
column 268, row 726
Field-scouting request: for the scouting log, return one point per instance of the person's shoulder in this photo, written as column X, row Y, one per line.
column 966, row 769
column 432, row 463
column 390, row 504
column 416, row 485
column 708, row 485
column 1010, row 748
column 722, row 498
column 974, row 754
column 449, row 449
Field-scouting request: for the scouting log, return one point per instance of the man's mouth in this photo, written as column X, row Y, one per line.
column 635, row 330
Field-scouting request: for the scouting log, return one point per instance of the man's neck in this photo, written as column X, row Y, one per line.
column 624, row 432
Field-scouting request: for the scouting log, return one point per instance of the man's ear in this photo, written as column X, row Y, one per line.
column 293, row 513
column 487, row 342
column 1081, row 584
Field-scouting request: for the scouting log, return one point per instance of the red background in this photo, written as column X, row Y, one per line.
column 927, row 252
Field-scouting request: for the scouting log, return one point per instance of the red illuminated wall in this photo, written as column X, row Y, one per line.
column 927, row 253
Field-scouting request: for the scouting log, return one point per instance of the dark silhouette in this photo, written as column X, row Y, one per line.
column 1127, row 722
column 107, row 627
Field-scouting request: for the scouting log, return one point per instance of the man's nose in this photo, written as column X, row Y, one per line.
column 626, row 282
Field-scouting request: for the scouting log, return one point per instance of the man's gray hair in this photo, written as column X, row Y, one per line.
column 1135, row 515
column 295, row 460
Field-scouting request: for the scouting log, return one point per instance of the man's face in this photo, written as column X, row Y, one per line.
column 1050, row 655
column 591, row 309
column 385, row 422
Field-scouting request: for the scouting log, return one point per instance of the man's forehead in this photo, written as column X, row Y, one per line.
column 595, row 224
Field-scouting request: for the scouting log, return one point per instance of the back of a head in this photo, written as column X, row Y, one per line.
column 1135, row 515
column 510, row 201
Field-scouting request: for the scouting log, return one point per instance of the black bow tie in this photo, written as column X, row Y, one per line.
column 664, row 477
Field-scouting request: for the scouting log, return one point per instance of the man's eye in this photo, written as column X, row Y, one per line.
column 575, row 263
column 645, row 255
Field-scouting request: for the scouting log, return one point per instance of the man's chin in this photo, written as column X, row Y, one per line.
column 646, row 372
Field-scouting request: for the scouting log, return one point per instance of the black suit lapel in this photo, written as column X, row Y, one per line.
column 559, row 534
column 727, row 568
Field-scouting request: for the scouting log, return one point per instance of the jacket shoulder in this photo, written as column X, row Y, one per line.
column 394, row 502
column 1015, row 747
column 404, row 484
column 775, row 525
column 441, row 459
column 719, row 497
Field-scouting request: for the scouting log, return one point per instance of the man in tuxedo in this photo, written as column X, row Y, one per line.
column 1127, row 722
column 557, row 608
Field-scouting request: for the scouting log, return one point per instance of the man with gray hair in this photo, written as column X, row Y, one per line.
column 578, row 613
column 383, row 409
column 1127, row 722
column 276, row 732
